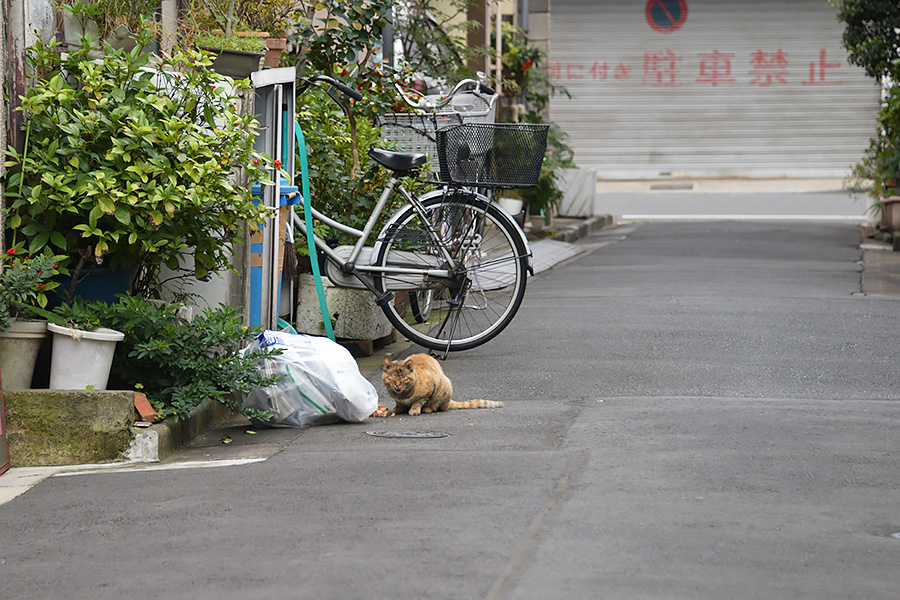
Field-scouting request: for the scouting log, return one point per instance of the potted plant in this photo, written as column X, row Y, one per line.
column 132, row 164
column 336, row 189
column 871, row 36
column 235, row 56
column 24, row 284
column 82, row 350
column 878, row 172
column 241, row 32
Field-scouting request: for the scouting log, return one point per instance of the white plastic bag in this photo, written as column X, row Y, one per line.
column 319, row 382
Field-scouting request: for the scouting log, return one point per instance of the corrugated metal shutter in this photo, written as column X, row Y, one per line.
column 746, row 89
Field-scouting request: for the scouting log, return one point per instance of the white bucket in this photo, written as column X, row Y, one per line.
column 82, row 359
column 514, row 208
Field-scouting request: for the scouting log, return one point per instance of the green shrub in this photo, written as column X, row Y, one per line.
column 334, row 188
column 180, row 363
column 132, row 163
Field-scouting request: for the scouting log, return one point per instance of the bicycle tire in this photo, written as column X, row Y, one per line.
column 489, row 284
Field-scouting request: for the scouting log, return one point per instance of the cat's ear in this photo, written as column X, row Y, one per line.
column 387, row 361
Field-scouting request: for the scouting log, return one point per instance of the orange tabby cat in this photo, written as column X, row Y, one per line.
column 418, row 384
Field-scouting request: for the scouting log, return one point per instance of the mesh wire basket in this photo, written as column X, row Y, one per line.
column 416, row 132
column 492, row 155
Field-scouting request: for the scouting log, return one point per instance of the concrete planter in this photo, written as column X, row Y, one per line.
column 19, row 347
column 53, row 427
column 579, row 186
column 357, row 316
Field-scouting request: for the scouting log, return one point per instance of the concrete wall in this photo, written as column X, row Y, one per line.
column 63, row 427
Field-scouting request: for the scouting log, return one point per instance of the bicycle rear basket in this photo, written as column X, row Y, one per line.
column 492, row 155
column 415, row 132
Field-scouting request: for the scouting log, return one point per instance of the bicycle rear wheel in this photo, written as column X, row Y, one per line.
column 483, row 292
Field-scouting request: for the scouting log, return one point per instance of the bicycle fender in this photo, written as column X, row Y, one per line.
column 502, row 211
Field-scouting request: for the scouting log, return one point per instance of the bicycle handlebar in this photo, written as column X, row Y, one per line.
column 344, row 89
column 420, row 102
column 486, row 89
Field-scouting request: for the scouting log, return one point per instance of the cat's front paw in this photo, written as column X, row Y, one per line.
column 414, row 411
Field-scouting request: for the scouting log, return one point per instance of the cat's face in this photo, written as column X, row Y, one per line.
column 398, row 376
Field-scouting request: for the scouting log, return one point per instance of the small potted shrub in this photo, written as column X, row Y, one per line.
column 82, row 350
column 181, row 362
column 24, row 284
column 241, row 33
column 878, row 172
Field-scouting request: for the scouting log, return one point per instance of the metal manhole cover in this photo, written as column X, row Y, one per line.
column 408, row 434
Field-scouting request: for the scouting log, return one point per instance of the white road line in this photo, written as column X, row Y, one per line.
column 133, row 467
column 17, row 481
column 727, row 217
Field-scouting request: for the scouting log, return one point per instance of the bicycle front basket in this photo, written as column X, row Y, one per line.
column 492, row 155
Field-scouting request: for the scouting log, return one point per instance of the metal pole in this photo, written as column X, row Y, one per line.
column 498, row 43
column 15, row 44
column 276, row 219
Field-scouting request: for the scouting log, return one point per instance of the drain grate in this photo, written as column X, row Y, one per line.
column 408, row 434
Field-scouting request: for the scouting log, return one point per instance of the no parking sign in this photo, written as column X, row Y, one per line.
column 666, row 16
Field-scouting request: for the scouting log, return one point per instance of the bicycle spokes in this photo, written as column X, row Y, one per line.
column 476, row 296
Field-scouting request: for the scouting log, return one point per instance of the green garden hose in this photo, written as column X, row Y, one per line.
column 310, row 243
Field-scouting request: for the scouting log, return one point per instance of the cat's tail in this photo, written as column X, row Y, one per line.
column 474, row 404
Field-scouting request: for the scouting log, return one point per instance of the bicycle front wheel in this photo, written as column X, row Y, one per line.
column 486, row 281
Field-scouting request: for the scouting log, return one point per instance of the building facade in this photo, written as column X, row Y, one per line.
column 708, row 88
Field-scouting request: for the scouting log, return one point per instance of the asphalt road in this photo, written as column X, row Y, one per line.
column 693, row 410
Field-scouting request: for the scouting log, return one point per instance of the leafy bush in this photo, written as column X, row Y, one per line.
column 24, row 284
column 872, row 39
column 872, row 35
column 132, row 164
column 80, row 314
column 109, row 14
column 335, row 189
column 180, row 363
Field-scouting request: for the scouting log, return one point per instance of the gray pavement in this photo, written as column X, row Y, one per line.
column 693, row 410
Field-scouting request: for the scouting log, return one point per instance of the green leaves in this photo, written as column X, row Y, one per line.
column 180, row 364
column 134, row 172
column 872, row 36
column 24, row 283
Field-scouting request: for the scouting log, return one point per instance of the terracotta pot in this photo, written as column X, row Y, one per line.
column 274, row 48
column 890, row 213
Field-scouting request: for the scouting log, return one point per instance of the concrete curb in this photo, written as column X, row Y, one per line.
column 574, row 231
column 162, row 440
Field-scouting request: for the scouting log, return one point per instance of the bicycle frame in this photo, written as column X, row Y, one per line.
column 350, row 265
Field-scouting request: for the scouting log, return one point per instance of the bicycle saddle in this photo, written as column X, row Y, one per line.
column 398, row 161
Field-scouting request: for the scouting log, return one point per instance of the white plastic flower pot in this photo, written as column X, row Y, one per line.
column 82, row 359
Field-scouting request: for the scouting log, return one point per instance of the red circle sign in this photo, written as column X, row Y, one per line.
column 666, row 16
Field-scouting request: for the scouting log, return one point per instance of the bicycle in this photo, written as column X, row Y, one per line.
column 449, row 268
